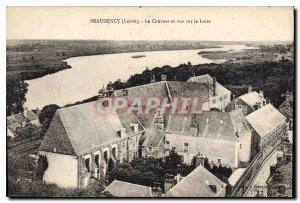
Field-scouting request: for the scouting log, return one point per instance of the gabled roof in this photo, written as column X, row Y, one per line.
column 32, row 116
column 239, row 122
column 220, row 89
column 188, row 89
column 265, row 119
column 196, row 185
column 20, row 117
column 252, row 98
column 153, row 137
column 124, row 189
column 84, row 129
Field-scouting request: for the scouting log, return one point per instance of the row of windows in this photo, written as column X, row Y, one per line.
column 132, row 142
column 185, row 146
column 220, row 98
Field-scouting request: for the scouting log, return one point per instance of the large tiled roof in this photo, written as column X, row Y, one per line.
column 251, row 98
column 265, row 119
column 196, row 184
column 84, row 129
column 124, row 189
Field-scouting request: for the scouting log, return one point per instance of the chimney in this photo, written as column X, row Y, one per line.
column 199, row 160
column 168, row 182
column 214, row 86
column 159, row 122
column 178, row 178
column 122, row 132
column 249, row 88
column 153, row 79
column 124, row 93
column 26, row 112
column 261, row 93
column 156, row 190
column 163, row 78
column 135, row 127
column 287, row 95
column 234, row 102
column 208, row 88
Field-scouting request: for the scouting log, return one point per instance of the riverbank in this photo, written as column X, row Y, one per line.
column 265, row 53
column 32, row 59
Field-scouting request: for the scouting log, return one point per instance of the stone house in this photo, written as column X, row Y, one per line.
column 248, row 102
column 219, row 97
column 205, row 133
column 268, row 127
column 20, row 120
column 81, row 144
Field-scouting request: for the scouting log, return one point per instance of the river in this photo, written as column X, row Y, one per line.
column 89, row 73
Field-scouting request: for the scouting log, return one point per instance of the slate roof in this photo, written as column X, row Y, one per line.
column 81, row 129
column 156, row 90
column 188, row 89
column 15, row 121
column 235, row 176
column 196, row 185
column 165, row 89
column 153, row 137
column 32, row 116
column 265, row 119
column 209, row 124
column 124, row 189
column 220, row 89
column 251, row 98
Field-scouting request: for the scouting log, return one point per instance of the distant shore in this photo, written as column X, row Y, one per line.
column 32, row 59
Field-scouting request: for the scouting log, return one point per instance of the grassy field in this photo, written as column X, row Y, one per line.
column 36, row 58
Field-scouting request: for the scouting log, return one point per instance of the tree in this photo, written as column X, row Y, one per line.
column 29, row 131
column 124, row 172
column 46, row 116
column 16, row 90
column 173, row 160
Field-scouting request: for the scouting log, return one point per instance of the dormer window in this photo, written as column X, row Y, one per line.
column 122, row 132
column 135, row 127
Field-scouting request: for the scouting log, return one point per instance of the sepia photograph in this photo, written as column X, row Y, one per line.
column 150, row 102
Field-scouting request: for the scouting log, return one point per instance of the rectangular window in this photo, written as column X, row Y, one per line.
column 219, row 161
column 181, row 158
column 97, row 160
column 87, row 164
column 150, row 149
column 186, row 147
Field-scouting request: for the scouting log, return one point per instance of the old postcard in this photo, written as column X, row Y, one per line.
column 150, row 102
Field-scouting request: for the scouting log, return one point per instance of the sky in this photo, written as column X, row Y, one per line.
column 226, row 23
